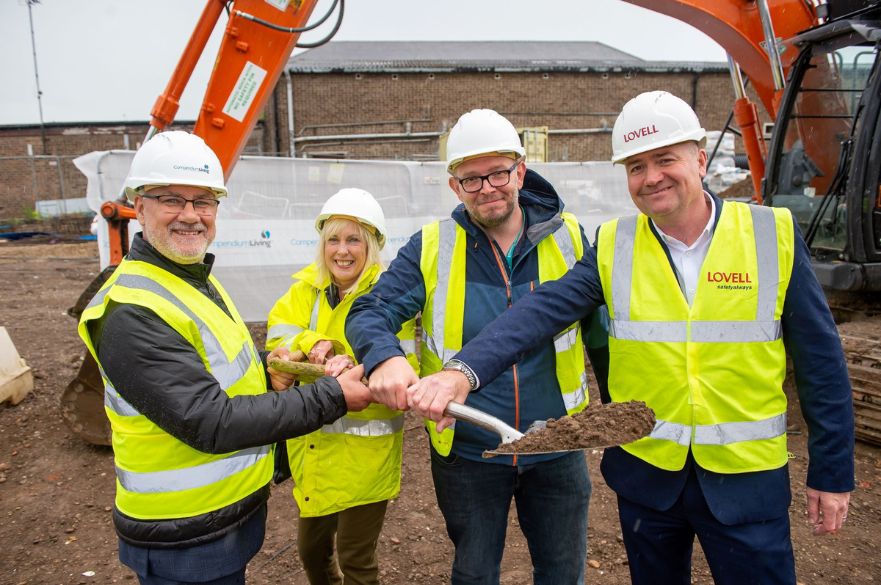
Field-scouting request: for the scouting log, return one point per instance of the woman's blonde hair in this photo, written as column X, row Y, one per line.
column 332, row 227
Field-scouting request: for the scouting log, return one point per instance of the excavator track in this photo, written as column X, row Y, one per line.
column 862, row 348
column 859, row 323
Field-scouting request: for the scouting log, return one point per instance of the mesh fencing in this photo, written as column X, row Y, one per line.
column 265, row 228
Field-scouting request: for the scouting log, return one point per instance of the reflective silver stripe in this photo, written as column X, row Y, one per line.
column 668, row 431
column 313, row 319
column 701, row 331
column 365, row 428
column 661, row 331
column 288, row 332
column 565, row 340
column 735, row 331
column 227, row 373
column 429, row 341
column 735, row 432
column 283, row 330
column 565, row 244
column 116, row 403
column 409, row 346
column 622, row 267
column 765, row 232
column 722, row 433
column 577, row 396
column 174, row 480
column 446, row 242
column 98, row 298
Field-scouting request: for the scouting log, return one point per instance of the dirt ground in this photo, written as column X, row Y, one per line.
column 56, row 492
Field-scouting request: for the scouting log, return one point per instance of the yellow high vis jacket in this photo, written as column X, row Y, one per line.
column 158, row 476
column 443, row 268
column 713, row 372
column 357, row 459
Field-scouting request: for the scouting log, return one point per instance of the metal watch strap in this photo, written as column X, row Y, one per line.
column 461, row 366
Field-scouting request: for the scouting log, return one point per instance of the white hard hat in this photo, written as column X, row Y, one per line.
column 175, row 158
column 651, row 120
column 358, row 205
column 481, row 133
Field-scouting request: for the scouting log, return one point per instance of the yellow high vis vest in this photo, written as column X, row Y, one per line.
column 356, row 460
column 443, row 268
column 712, row 372
column 158, row 476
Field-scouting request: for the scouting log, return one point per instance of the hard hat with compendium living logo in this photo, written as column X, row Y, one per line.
column 175, row 158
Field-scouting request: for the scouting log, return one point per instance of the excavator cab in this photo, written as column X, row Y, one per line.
column 824, row 159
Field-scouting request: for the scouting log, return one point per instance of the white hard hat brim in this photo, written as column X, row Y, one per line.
column 322, row 219
column 513, row 154
column 699, row 136
column 131, row 193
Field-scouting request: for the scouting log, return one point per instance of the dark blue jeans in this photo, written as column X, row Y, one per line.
column 551, row 498
column 659, row 543
column 219, row 562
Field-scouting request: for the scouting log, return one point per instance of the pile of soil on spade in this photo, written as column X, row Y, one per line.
column 615, row 423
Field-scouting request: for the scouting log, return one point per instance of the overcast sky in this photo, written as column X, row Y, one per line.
column 108, row 60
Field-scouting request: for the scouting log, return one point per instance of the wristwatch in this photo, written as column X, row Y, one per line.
column 461, row 366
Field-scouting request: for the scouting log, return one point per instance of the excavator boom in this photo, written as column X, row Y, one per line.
column 737, row 26
column 257, row 42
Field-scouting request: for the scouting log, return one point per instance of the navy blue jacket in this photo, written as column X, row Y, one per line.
column 400, row 294
column 811, row 339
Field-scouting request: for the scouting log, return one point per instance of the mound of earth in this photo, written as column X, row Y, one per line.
column 597, row 426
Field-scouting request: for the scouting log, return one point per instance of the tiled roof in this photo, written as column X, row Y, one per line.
column 411, row 56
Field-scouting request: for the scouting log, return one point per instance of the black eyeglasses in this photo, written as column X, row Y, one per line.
column 176, row 203
column 496, row 179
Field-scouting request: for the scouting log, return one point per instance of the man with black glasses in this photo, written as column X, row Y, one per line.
column 185, row 390
column 509, row 235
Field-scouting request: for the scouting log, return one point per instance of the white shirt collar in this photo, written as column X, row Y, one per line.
column 705, row 234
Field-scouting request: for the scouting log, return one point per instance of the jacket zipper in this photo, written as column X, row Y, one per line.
column 510, row 302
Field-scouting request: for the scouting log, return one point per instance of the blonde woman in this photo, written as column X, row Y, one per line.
column 345, row 473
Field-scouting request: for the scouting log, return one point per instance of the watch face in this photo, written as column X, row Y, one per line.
column 458, row 366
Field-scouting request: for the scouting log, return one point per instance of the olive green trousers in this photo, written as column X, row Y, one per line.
column 355, row 532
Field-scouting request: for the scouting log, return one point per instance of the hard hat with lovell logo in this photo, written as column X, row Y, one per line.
column 652, row 120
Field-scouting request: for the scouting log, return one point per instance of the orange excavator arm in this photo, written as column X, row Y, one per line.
column 251, row 58
column 257, row 43
column 737, row 26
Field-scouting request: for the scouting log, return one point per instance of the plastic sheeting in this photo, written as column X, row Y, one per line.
column 265, row 228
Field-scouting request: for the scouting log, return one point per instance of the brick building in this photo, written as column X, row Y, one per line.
column 36, row 164
column 394, row 100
